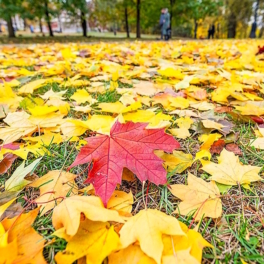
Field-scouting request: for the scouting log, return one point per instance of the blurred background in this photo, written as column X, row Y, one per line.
column 130, row 18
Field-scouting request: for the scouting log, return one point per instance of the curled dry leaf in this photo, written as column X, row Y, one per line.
column 67, row 213
column 7, row 162
column 223, row 109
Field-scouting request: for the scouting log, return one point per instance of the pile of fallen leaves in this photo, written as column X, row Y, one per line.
column 167, row 113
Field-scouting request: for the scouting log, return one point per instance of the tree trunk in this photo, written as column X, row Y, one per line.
column 261, row 32
column 48, row 18
column 138, row 18
column 232, row 23
column 40, row 25
column 254, row 24
column 195, row 28
column 24, row 24
column 84, row 24
column 126, row 21
column 59, row 19
column 11, row 32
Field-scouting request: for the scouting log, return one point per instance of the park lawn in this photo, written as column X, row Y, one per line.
column 29, row 38
column 218, row 81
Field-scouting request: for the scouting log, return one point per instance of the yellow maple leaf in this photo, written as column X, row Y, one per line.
column 212, row 124
column 179, row 102
column 198, row 196
column 42, row 110
column 95, row 240
column 230, row 171
column 250, row 109
column 31, row 86
column 177, row 162
column 184, row 123
column 193, row 242
column 29, row 244
column 72, row 127
column 147, row 227
column 55, row 184
column 67, row 213
column 181, row 257
column 51, row 94
column 82, row 96
column 130, row 255
column 85, row 109
column 121, row 201
column 100, row 123
column 171, row 73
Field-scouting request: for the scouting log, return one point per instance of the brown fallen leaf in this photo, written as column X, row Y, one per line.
column 232, row 147
column 7, row 162
column 223, row 109
column 12, row 211
column 227, row 126
column 217, row 146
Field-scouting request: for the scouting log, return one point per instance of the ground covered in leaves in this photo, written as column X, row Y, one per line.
column 171, row 136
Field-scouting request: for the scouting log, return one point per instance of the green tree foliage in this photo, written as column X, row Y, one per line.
column 38, row 9
column 77, row 9
column 200, row 9
column 8, row 9
column 237, row 11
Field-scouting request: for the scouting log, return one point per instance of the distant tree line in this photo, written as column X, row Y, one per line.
column 141, row 15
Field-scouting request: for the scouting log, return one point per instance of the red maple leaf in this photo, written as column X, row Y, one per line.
column 217, row 146
column 260, row 50
column 129, row 145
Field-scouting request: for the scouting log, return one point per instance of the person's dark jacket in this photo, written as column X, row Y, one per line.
column 161, row 20
column 213, row 29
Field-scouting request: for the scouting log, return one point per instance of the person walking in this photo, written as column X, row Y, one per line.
column 211, row 31
column 166, row 24
column 161, row 22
